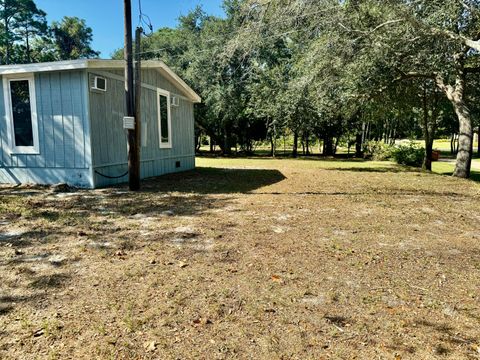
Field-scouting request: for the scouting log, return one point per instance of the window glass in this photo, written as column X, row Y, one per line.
column 165, row 136
column 101, row 83
column 22, row 113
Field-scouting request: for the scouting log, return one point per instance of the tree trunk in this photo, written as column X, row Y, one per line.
column 227, row 150
column 478, row 142
column 358, row 145
column 27, row 35
column 7, row 38
column 295, row 144
column 465, row 140
column 328, row 146
column 427, row 161
column 272, row 146
column 456, row 95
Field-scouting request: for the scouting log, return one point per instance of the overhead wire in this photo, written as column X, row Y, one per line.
column 144, row 20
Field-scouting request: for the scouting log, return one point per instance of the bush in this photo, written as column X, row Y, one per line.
column 411, row 155
column 378, row 150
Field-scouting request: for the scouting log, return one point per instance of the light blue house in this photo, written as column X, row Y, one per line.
column 62, row 122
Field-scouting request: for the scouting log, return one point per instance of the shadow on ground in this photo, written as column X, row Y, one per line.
column 214, row 181
column 88, row 216
column 386, row 169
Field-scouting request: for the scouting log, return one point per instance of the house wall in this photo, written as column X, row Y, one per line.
column 63, row 128
column 109, row 139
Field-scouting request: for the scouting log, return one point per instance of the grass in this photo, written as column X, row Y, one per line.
column 245, row 258
column 446, row 168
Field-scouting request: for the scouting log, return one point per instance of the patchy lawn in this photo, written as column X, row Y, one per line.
column 267, row 259
column 446, row 168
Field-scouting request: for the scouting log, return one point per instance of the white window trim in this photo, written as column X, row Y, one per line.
column 95, row 87
column 167, row 95
column 35, row 149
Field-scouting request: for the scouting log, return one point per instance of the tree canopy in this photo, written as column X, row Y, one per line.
column 26, row 37
column 330, row 71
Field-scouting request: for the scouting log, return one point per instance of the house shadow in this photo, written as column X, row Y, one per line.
column 207, row 180
column 188, row 193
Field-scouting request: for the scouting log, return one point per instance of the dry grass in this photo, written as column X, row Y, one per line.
column 270, row 259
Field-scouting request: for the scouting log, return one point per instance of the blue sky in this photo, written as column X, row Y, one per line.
column 105, row 17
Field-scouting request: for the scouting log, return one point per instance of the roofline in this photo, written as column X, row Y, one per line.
column 98, row 64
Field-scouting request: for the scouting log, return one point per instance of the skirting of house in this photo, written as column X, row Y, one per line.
column 74, row 177
column 149, row 168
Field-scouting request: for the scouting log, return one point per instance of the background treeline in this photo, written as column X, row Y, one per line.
column 330, row 72
column 26, row 37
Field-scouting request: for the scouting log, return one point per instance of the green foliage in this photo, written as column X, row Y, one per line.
column 25, row 36
column 410, row 154
column 72, row 38
column 379, row 151
column 405, row 154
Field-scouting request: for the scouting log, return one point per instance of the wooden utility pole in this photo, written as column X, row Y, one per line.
column 133, row 158
column 138, row 97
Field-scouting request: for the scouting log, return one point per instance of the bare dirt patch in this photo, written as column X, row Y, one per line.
column 265, row 259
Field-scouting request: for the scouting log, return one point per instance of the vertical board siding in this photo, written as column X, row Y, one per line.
column 109, row 140
column 62, row 133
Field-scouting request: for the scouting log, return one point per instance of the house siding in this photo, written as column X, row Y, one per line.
column 109, row 139
column 63, row 129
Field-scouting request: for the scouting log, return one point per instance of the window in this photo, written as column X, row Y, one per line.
column 21, row 110
column 99, row 83
column 164, row 119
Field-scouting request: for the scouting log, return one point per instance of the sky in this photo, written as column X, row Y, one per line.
column 105, row 17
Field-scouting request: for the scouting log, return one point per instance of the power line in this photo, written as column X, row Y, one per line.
column 144, row 19
column 252, row 30
column 219, row 38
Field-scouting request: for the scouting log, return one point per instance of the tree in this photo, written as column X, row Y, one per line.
column 376, row 41
column 72, row 39
column 21, row 21
column 31, row 25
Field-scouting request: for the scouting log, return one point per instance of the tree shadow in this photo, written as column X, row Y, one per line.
column 448, row 335
column 49, row 281
column 9, row 302
column 384, row 169
column 87, row 215
column 474, row 174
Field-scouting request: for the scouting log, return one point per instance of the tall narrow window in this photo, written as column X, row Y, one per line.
column 21, row 110
column 164, row 121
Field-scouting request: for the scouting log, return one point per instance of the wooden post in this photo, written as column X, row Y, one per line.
column 133, row 166
column 138, row 97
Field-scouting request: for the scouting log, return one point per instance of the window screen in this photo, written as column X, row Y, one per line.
column 165, row 136
column 21, row 112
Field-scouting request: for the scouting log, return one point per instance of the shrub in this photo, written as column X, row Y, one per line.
column 378, row 150
column 411, row 155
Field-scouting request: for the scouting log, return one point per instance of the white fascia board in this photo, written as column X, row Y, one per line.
column 98, row 64
column 176, row 79
column 40, row 67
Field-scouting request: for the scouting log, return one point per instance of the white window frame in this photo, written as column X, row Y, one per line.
column 95, row 86
column 167, row 95
column 35, row 149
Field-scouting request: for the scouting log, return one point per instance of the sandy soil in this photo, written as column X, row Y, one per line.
column 267, row 260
